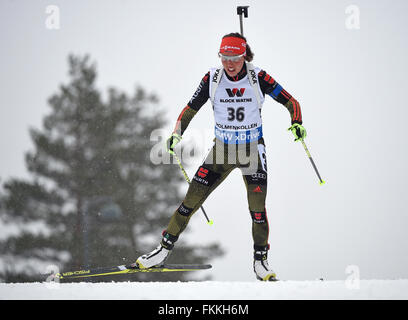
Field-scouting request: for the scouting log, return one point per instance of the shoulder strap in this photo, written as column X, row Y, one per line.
column 215, row 81
column 253, row 80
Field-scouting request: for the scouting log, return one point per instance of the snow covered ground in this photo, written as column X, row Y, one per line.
column 209, row 290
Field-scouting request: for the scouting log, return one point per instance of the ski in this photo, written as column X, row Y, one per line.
column 127, row 269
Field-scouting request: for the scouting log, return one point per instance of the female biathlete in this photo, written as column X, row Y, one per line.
column 237, row 91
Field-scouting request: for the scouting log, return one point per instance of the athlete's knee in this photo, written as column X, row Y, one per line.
column 259, row 178
column 256, row 190
column 184, row 210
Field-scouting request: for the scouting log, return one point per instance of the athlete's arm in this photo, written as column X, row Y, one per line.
column 199, row 98
column 270, row 87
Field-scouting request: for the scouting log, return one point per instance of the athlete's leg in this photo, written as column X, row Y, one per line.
column 256, row 184
column 208, row 176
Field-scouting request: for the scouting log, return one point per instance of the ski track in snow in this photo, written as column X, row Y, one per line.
column 208, row 290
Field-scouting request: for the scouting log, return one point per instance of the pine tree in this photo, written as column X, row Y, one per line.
column 94, row 185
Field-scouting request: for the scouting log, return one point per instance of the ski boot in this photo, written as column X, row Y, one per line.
column 158, row 256
column 261, row 268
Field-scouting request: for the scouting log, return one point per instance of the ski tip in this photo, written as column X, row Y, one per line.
column 58, row 276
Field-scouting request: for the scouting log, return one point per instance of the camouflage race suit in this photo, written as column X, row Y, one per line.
column 217, row 166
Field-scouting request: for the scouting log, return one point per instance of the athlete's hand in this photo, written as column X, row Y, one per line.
column 298, row 131
column 172, row 141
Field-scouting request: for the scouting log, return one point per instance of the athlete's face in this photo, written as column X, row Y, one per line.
column 232, row 67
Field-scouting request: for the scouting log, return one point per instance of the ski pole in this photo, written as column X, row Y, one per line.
column 210, row 222
column 242, row 10
column 321, row 182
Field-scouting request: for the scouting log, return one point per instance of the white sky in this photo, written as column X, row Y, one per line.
column 351, row 86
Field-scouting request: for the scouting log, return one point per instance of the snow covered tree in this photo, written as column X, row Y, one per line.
column 94, row 188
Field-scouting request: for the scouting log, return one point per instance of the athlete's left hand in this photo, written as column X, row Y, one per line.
column 298, row 131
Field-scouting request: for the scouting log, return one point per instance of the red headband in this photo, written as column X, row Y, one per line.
column 233, row 45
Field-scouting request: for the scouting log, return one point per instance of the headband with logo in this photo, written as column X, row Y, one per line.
column 233, row 45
